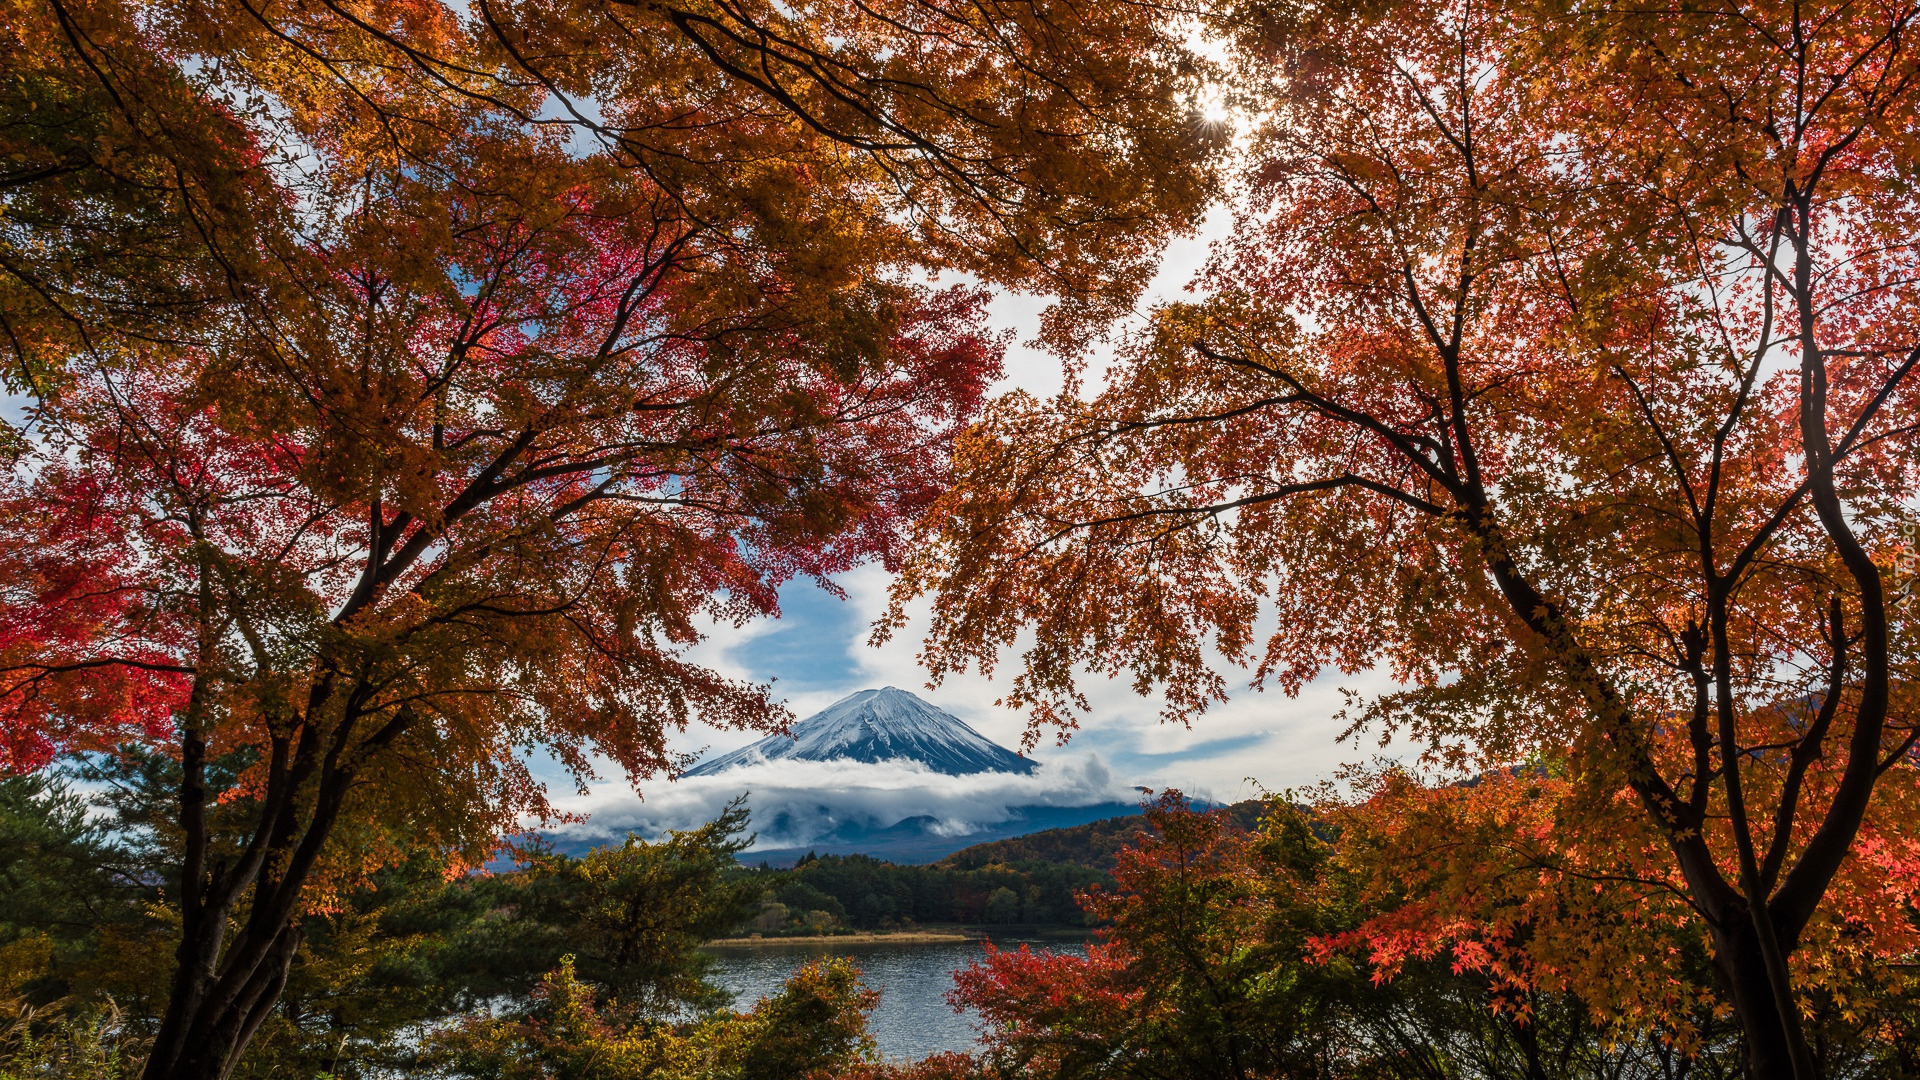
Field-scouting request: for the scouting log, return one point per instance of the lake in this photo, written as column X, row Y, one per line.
column 913, row 1018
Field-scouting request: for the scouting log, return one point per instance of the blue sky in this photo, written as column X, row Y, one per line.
column 817, row 653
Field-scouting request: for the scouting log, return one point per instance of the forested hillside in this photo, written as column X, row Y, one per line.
column 1036, row 880
column 1096, row 844
column 830, row 892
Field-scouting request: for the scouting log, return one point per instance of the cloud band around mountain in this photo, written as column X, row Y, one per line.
column 794, row 802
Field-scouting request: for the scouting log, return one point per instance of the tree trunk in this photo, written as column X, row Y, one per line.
column 210, row 1018
column 1743, row 970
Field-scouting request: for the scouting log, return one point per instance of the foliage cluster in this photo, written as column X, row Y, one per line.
column 1230, row 952
column 812, row 1029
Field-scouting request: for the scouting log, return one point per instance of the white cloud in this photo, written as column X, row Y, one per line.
column 795, row 801
column 1257, row 739
column 1257, row 735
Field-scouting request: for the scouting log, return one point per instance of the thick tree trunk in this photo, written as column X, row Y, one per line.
column 1773, row 1041
column 224, row 988
column 1743, row 971
column 210, row 1018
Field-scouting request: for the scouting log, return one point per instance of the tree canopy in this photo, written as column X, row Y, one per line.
column 1560, row 365
column 410, row 384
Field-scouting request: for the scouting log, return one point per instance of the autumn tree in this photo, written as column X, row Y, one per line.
column 1559, row 365
column 1232, row 951
column 1495, row 880
column 1202, row 968
column 408, row 384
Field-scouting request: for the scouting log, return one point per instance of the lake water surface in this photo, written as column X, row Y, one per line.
column 913, row 1018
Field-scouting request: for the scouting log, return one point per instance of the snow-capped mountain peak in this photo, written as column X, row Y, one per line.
column 879, row 725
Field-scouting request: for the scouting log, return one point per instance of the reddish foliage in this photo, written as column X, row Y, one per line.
column 1562, row 366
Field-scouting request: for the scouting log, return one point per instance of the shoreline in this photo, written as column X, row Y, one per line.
column 944, row 935
column 904, row 937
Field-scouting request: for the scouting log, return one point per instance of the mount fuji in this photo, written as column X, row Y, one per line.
column 889, row 724
column 878, row 773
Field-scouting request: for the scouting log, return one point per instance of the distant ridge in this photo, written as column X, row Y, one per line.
column 1095, row 844
column 888, row 724
column 1089, row 836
